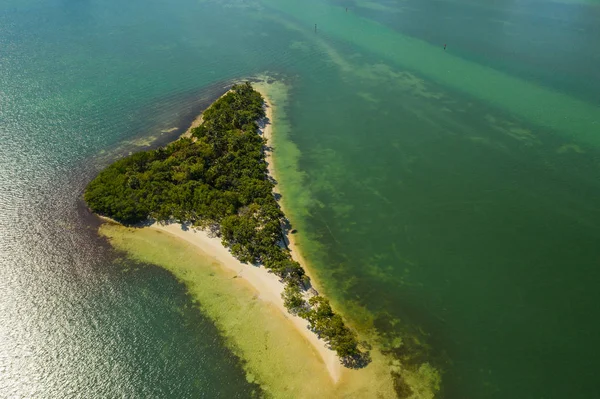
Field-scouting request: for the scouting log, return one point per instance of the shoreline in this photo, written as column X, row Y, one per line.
column 278, row 349
column 267, row 133
column 198, row 120
column 266, row 284
column 195, row 123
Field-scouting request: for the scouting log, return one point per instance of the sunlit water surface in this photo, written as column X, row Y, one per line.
column 453, row 193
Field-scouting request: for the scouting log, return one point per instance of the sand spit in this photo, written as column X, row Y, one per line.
column 267, row 285
column 244, row 301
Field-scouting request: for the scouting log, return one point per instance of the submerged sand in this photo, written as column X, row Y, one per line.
column 267, row 132
column 272, row 351
column 244, row 301
column 267, row 285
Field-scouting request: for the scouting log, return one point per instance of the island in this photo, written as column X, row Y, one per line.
column 217, row 180
column 206, row 208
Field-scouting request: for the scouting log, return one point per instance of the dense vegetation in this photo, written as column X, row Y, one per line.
column 218, row 179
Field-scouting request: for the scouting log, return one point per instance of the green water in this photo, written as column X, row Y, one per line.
column 463, row 200
column 449, row 196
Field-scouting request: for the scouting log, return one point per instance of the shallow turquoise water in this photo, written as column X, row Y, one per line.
column 455, row 191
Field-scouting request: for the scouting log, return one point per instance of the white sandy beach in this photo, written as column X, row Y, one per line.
column 267, row 130
column 196, row 122
column 267, row 285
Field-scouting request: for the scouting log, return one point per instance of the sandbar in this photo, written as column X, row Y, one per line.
column 268, row 286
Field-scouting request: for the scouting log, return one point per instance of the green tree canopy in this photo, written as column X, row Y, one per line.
column 219, row 178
